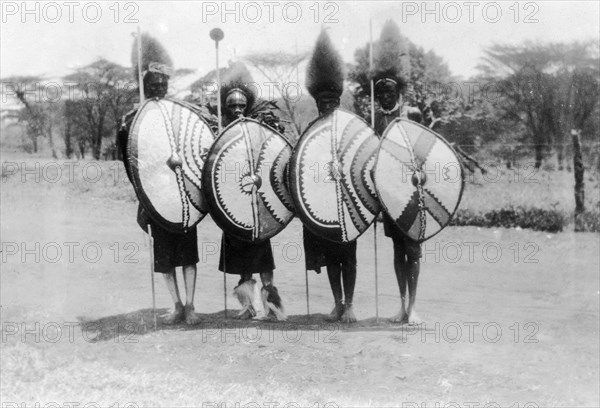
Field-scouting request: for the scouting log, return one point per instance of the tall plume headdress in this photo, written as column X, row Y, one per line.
column 325, row 73
column 155, row 58
column 391, row 61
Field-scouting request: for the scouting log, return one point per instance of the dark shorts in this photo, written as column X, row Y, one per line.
column 245, row 258
column 322, row 252
column 172, row 250
column 403, row 245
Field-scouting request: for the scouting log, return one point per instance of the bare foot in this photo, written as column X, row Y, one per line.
column 348, row 316
column 244, row 315
column 401, row 317
column 191, row 318
column 414, row 319
column 336, row 313
column 175, row 316
column 264, row 317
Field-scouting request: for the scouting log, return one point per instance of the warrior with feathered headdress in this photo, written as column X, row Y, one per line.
column 325, row 83
column 156, row 68
column 390, row 78
column 239, row 98
column 170, row 249
column 238, row 257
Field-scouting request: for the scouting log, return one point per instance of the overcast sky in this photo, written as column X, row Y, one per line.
column 70, row 34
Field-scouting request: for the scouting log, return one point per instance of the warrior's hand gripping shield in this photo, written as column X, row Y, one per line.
column 330, row 177
column 419, row 179
column 244, row 181
column 167, row 146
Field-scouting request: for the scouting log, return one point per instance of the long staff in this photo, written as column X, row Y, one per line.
column 152, row 274
column 305, row 270
column 140, row 76
column 151, row 239
column 373, row 126
column 216, row 34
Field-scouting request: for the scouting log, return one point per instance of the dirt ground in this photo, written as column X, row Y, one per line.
column 511, row 318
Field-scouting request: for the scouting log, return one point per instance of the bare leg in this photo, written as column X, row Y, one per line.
column 400, row 268
column 189, row 280
column 266, row 278
column 334, row 273
column 177, row 314
column 412, row 274
column 349, row 279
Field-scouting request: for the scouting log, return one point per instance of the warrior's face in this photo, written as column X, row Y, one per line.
column 327, row 103
column 388, row 95
column 155, row 85
column 236, row 104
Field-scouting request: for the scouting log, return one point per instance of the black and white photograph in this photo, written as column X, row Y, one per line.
column 289, row 204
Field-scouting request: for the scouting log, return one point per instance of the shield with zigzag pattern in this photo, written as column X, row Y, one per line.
column 330, row 176
column 167, row 145
column 244, row 181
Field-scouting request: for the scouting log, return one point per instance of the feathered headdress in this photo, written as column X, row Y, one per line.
column 154, row 57
column 238, row 77
column 390, row 59
column 325, row 73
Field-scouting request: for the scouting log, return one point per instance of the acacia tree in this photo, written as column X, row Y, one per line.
column 281, row 69
column 38, row 112
column 550, row 88
column 105, row 96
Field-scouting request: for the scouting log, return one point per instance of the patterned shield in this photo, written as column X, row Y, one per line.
column 330, row 176
column 168, row 142
column 244, row 181
column 419, row 179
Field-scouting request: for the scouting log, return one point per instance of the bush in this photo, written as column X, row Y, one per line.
column 590, row 221
column 510, row 217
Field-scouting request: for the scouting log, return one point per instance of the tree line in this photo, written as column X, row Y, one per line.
column 526, row 101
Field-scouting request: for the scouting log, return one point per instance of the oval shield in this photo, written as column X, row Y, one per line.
column 419, row 179
column 330, row 176
column 244, row 181
column 167, row 144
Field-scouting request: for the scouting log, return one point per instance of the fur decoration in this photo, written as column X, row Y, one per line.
column 238, row 76
column 259, row 304
column 249, row 297
column 272, row 302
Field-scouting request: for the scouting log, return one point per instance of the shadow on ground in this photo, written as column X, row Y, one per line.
column 141, row 322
